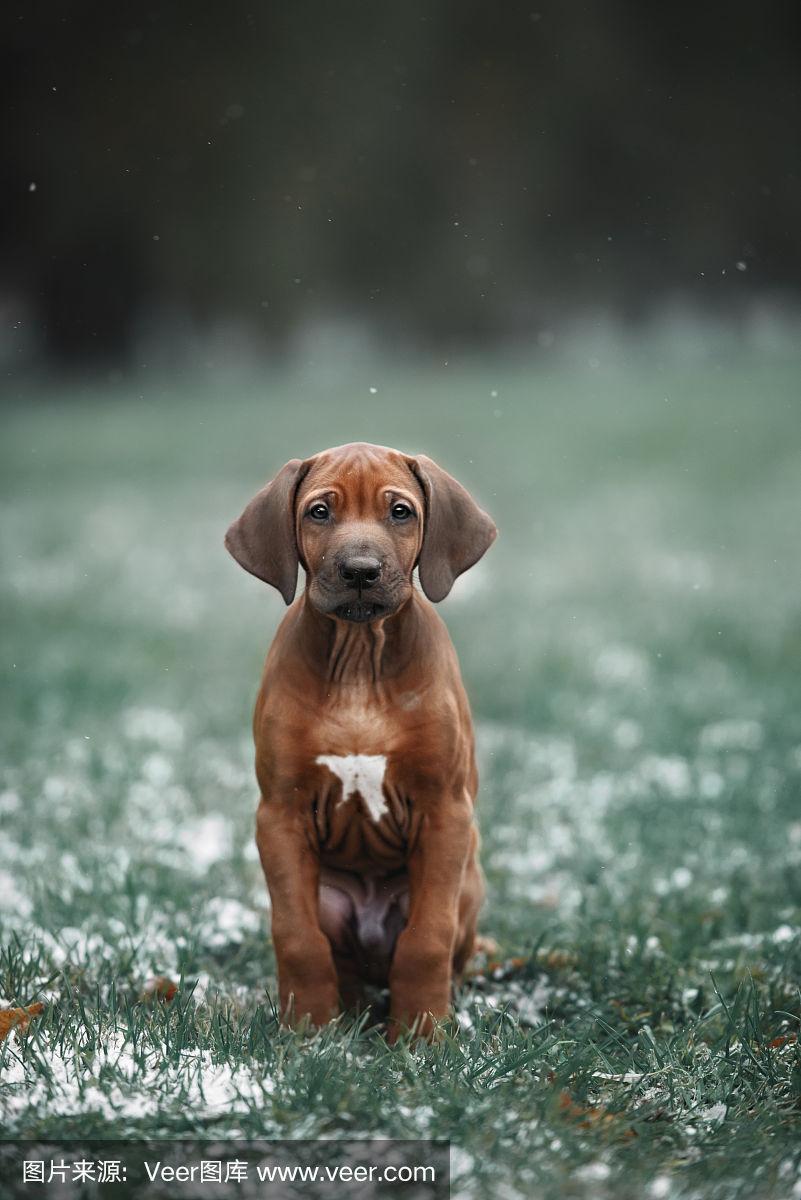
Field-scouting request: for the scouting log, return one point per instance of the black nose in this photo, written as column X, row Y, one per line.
column 360, row 572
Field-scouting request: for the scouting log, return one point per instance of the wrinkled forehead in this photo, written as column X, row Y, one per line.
column 359, row 474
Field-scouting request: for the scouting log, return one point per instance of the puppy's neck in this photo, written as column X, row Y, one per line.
column 356, row 652
column 363, row 653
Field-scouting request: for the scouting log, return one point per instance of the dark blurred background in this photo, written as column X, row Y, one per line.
column 458, row 173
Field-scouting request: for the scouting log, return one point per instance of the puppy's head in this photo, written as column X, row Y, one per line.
column 359, row 518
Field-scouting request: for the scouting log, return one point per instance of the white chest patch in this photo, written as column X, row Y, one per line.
column 362, row 773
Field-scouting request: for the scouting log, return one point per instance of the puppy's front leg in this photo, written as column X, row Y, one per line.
column 307, row 981
column 422, row 967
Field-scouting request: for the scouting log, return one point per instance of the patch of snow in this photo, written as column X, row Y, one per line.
column 670, row 773
column 157, row 770
column 9, row 803
column 156, row 725
column 715, row 1114
column 206, row 840
column 617, row 665
column 14, row 904
column 226, row 920
column 710, row 784
column 114, row 1084
column 627, row 734
column 593, row 1172
column 734, row 734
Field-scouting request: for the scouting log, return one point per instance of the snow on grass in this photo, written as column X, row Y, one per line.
column 157, row 725
column 629, row 648
column 116, row 1081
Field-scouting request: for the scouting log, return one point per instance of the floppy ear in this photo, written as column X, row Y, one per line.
column 457, row 532
column 263, row 540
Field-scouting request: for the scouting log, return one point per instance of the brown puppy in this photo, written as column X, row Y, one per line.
column 364, row 741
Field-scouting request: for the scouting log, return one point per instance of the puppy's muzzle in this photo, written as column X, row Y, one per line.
column 363, row 601
column 360, row 572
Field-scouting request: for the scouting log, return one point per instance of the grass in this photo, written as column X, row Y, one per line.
column 632, row 648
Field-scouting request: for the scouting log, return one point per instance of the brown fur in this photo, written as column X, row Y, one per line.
column 354, row 899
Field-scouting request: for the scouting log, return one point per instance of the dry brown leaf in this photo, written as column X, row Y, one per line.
column 782, row 1040
column 589, row 1116
column 160, row 987
column 18, row 1018
column 557, row 960
column 508, row 967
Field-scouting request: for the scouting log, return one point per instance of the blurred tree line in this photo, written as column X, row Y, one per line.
column 450, row 170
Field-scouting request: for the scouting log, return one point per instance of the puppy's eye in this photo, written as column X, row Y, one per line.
column 401, row 511
column 319, row 511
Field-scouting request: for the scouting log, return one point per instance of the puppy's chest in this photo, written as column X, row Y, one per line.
column 359, row 760
column 362, row 817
